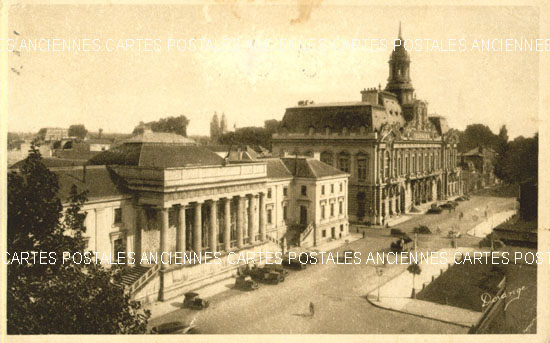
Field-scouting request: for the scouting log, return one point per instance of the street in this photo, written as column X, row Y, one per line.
column 337, row 291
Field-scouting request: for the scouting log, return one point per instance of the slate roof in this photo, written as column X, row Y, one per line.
column 157, row 155
column 99, row 181
column 310, row 168
column 158, row 150
column 160, row 137
column 276, row 169
column 336, row 116
column 53, row 162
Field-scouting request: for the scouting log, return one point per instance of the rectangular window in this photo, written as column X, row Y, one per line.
column 322, row 211
column 285, row 214
column 269, row 218
column 285, row 191
column 118, row 215
column 324, row 233
column 341, row 207
column 323, row 190
column 304, row 190
column 341, row 187
column 331, row 188
column 269, row 193
column 332, row 210
column 341, row 228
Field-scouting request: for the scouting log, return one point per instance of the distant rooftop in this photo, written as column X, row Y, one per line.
column 160, row 137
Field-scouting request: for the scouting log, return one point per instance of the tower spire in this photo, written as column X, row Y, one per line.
column 399, row 35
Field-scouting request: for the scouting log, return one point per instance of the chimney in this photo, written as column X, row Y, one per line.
column 370, row 95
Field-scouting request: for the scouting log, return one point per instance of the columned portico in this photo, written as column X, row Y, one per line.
column 164, row 233
column 181, row 230
column 240, row 220
column 251, row 221
column 197, row 228
column 227, row 224
column 262, row 217
column 213, row 228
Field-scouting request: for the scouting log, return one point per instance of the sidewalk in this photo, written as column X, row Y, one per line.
column 160, row 308
column 486, row 226
column 396, row 294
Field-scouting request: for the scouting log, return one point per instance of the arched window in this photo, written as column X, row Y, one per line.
column 362, row 167
column 407, row 164
column 326, row 157
column 399, row 164
column 344, row 162
column 361, row 204
column 420, row 161
column 426, row 162
column 414, row 162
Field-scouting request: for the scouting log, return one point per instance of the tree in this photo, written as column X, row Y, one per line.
column 55, row 297
column 78, row 131
column 214, row 128
column 414, row 269
column 519, row 162
column 177, row 125
column 477, row 135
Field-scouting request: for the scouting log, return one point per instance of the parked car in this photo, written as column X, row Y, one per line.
column 264, row 275
column 276, row 268
column 293, row 263
column 174, row 328
column 462, row 198
column 245, row 283
column 396, row 232
column 434, row 209
column 193, row 301
column 447, row 205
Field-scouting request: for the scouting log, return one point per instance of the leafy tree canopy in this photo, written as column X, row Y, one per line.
column 78, row 131
column 56, row 297
column 177, row 125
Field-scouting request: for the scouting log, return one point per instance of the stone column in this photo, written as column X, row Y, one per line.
column 213, row 229
column 240, row 221
column 262, row 217
column 227, row 225
column 197, row 229
column 181, row 230
column 137, row 232
column 164, row 235
column 251, row 221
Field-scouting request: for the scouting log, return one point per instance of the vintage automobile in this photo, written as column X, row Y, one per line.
column 174, row 328
column 396, row 232
column 264, row 275
column 193, row 301
column 245, row 283
column 449, row 205
column 462, row 198
column 293, row 263
column 276, row 268
column 434, row 209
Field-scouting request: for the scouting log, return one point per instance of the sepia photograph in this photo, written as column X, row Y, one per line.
column 272, row 168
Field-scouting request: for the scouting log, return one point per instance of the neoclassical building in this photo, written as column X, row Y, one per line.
column 160, row 192
column 397, row 155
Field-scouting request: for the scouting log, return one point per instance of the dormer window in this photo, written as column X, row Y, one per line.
column 327, row 130
column 362, row 130
column 345, row 131
column 311, row 131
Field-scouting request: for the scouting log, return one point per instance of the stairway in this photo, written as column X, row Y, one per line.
column 131, row 275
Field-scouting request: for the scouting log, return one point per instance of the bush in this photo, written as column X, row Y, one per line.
column 422, row 229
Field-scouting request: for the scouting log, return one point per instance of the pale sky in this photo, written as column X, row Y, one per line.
column 116, row 90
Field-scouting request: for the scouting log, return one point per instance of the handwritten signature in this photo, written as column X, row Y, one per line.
column 488, row 298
